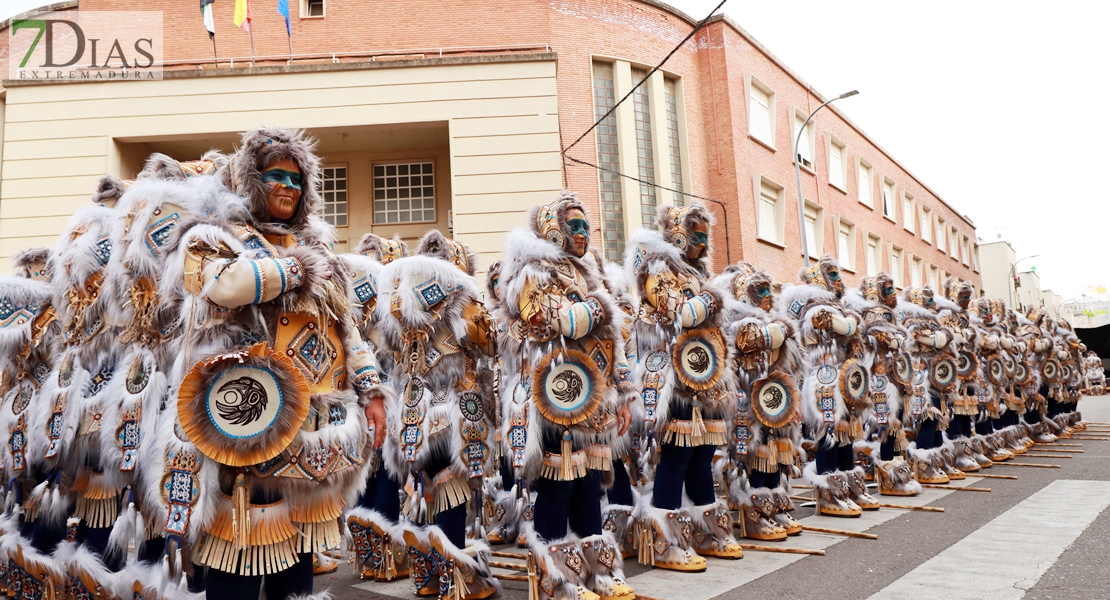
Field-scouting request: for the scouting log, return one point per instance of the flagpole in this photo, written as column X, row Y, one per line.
column 289, row 36
column 252, row 44
column 215, row 61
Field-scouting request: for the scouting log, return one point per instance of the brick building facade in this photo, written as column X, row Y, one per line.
column 717, row 121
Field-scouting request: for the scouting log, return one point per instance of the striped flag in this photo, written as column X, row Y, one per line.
column 283, row 10
column 243, row 14
column 209, row 22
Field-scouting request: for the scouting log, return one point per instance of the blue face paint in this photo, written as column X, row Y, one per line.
column 579, row 227
column 763, row 292
column 699, row 238
column 834, row 275
column 289, row 179
column 888, row 291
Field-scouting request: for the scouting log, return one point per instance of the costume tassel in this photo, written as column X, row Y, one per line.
column 698, row 431
column 240, row 514
column 567, row 450
column 458, row 584
column 647, row 546
column 533, row 588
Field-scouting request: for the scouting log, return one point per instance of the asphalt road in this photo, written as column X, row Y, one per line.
column 1001, row 543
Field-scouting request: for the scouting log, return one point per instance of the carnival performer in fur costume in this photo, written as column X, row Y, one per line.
column 884, row 343
column 375, row 540
column 934, row 379
column 826, row 330
column 565, row 388
column 265, row 440
column 766, row 431
column 431, row 320
column 968, row 404
column 686, row 387
column 1096, row 375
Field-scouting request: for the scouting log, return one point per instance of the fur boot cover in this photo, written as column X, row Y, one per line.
column 896, row 478
column 617, row 520
column 85, row 573
column 783, row 506
column 602, row 556
column 713, row 530
column 561, row 571
column 831, row 492
column 377, row 545
column 465, row 572
column 324, row 595
column 963, row 456
column 666, row 536
column 857, row 489
column 503, row 511
column 928, row 465
column 757, row 510
column 29, row 571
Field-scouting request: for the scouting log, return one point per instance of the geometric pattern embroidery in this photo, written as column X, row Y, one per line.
column 365, row 290
column 313, row 353
column 103, row 250
column 11, row 314
column 159, row 232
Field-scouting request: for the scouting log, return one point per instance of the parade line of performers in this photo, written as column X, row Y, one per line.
column 199, row 397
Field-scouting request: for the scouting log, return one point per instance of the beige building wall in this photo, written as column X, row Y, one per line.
column 996, row 258
column 500, row 154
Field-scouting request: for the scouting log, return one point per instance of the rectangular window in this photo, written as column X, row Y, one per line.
column 953, row 244
column 761, row 111
column 674, row 146
column 888, row 199
column 934, row 278
column 846, row 245
column 965, row 251
column 645, row 159
column 805, row 143
column 874, row 255
column 404, row 193
column 908, row 212
column 926, row 224
column 333, row 191
column 915, row 272
column 608, row 157
column 896, row 265
column 770, row 213
column 836, row 164
column 942, row 234
column 975, row 257
column 312, row 8
column 815, row 229
column 864, row 182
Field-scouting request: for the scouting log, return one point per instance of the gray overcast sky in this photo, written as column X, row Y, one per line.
column 997, row 106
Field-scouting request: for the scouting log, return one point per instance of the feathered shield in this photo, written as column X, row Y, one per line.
column 244, row 408
column 943, row 372
column 698, row 358
column 966, row 365
column 775, row 399
column 903, row 369
column 996, row 371
column 853, row 382
column 567, row 387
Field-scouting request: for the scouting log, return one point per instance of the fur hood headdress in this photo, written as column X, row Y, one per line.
column 31, row 263
column 875, row 289
column 922, row 297
column 959, row 292
column 819, row 275
column 160, row 166
column 549, row 221
column 743, row 281
column 261, row 147
column 676, row 223
column 438, row 245
column 383, row 250
column 493, row 281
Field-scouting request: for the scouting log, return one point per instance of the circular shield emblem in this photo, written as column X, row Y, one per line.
column 1051, row 370
column 903, row 369
column 229, row 405
column 878, row 382
column 697, row 358
column 414, row 393
column 471, row 406
column 826, row 374
column 567, row 387
column 776, row 400
column 138, row 375
column 996, row 371
column 1065, row 372
column 943, row 372
column 966, row 365
column 1021, row 373
column 853, row 382
column 656, row 361
column 1010, row 364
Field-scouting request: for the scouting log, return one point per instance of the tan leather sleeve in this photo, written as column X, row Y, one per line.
column 232, row 283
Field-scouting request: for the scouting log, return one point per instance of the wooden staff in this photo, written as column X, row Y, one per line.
column 1048, row 455
column 802, row 498
column 802, row 487
column 1013, row 464
column 504, row 554
column 965, row 488
column 1061, row 444
column 1089, row 439
column 1068, row 451
column 855, row 534
column 985, row 476
column 507, row 565
column 512, row 577
column 911, row 507
column 783, row 550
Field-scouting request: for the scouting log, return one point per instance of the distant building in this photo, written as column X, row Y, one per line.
column 452, row 114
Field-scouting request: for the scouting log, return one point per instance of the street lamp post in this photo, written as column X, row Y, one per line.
column 798, row 174
column 1010, row 285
